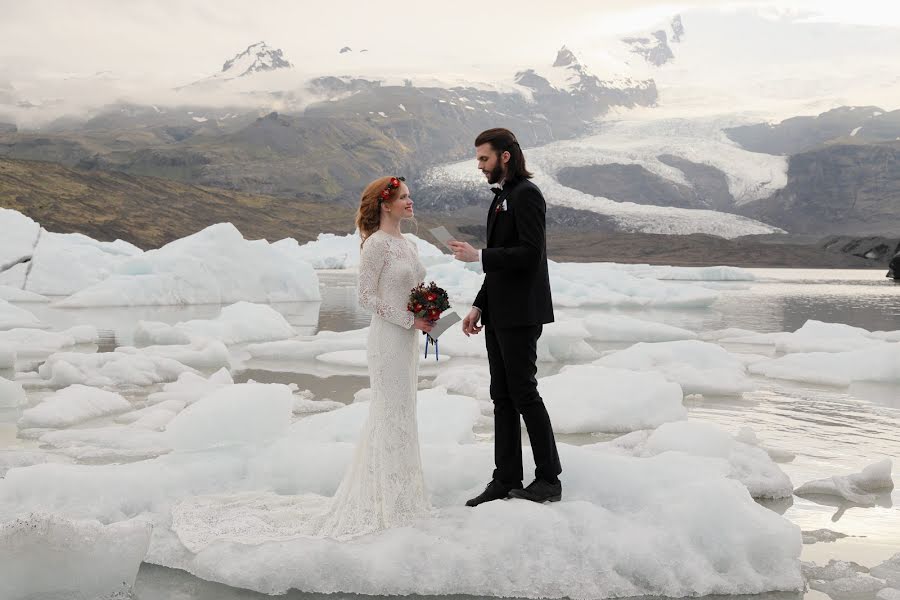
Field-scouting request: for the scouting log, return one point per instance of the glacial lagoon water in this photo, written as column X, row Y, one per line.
column 831, row 431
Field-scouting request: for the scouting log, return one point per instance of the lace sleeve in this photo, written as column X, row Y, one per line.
column 372, row 260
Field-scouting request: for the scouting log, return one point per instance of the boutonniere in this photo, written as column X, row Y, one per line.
column 500, row 207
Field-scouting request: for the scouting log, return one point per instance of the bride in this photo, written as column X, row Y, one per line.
column 384, row 486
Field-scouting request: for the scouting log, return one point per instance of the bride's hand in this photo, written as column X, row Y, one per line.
column 423, row 324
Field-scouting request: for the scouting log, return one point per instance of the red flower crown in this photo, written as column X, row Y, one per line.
column 393, row 184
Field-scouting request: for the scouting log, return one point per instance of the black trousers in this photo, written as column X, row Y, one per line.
column 512, row 354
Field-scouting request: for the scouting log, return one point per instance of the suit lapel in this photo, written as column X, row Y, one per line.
column 492, row 215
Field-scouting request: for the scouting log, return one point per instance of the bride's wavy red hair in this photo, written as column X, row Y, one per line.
column 368, row 216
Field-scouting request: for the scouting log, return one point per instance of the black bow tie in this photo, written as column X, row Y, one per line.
column 497, row 190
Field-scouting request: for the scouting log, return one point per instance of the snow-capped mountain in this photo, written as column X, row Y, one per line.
column 256, row 58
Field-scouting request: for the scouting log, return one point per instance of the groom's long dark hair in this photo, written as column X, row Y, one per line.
column 503, row 140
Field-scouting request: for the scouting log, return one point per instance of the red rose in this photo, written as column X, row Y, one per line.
column 386, row 194
column 431, row 297
column 418, row 307
column 395, row 182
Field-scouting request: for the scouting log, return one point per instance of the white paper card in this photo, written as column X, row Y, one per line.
column 443, row 323
column 442, row 235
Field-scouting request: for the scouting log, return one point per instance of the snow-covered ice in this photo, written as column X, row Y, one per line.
column 330, row 251
column 748, row 464
column 878, row 363
column 20, row 233
column 699, row 367
column 71, row 405
column 12, row 317
column 190, row 387
column 16, row 294
column 816, row 336
column 201, row 354
column 622, row 328
column 50, row 557
column 107, row 369
column 244, row 413
column 215, row 265
column 12, row 395
column 238, row 323
column 590, row 398
column 64, row 263
column 30, row 342
column 860, row 488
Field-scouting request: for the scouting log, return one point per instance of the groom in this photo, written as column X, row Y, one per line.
column 513, row 305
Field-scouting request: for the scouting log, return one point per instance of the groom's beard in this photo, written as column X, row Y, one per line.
column 496, row 174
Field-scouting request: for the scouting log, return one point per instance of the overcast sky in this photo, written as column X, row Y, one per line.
column 181, row 40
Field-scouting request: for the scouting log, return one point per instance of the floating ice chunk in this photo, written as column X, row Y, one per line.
column 634, row 522
column 747, row 464
column 589, row 398
column 154, row 417
column 148, row 333
column 14, row 276
column 20, row 233
column 64, row 263
column 666, row 272
column 816, row 336
column 48, row 556
column 748, row 436
column 110, row 443
column 237, row 414
column 835, row 569
column 859, row 488
column 721, row 334
column 304, row 403
column 239, row 323
column 620, row 328
column 71, row 405
column 29, row 342
column 15, row 458
column 822, row 535
column 699, row 367
column 357, row 358
column 889, row 570
column 880, row 363
column 854, row 586
column 310, row 347
column 201, row 354
column 442, row 419
column 564, row 341
column 621, row 553
column 12, row 316
column 12, row 395
column 215, row 265
column 190, row 387
column 599, row 284
column 472, row 381
column 330, row 251
column 14, row 294
column 108, row 369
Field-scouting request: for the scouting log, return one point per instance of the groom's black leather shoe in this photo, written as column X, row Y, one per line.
column 495, row 490
column 539, row 491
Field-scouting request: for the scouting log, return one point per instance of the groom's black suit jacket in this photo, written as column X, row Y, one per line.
column 516, row 288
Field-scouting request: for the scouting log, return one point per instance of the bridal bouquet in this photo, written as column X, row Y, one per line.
column 428, row 302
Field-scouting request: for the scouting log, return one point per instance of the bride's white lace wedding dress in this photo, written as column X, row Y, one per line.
column 383, row 486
